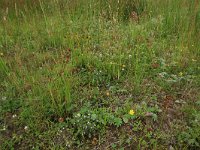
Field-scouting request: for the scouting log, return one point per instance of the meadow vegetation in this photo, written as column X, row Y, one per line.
column 99, row 74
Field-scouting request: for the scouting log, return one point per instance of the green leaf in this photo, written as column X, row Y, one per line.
column 125, row 119
column 118, row 122
column 113, row 145
column 155, row 117
column 94, row 116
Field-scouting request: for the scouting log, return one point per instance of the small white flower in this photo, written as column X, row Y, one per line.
column 26, row 128
column 4, row 128
column 129, row 56
column 14, row 116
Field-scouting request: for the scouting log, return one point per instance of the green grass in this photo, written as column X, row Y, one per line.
column 71, row 71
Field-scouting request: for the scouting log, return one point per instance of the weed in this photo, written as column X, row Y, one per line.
column 99, row 74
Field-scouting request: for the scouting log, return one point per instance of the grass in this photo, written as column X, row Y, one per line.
column 99, row 74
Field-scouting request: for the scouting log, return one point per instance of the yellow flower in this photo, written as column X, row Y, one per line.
column 131, row 112
column 181, row 74
column 123, row 66
column 107, row 93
